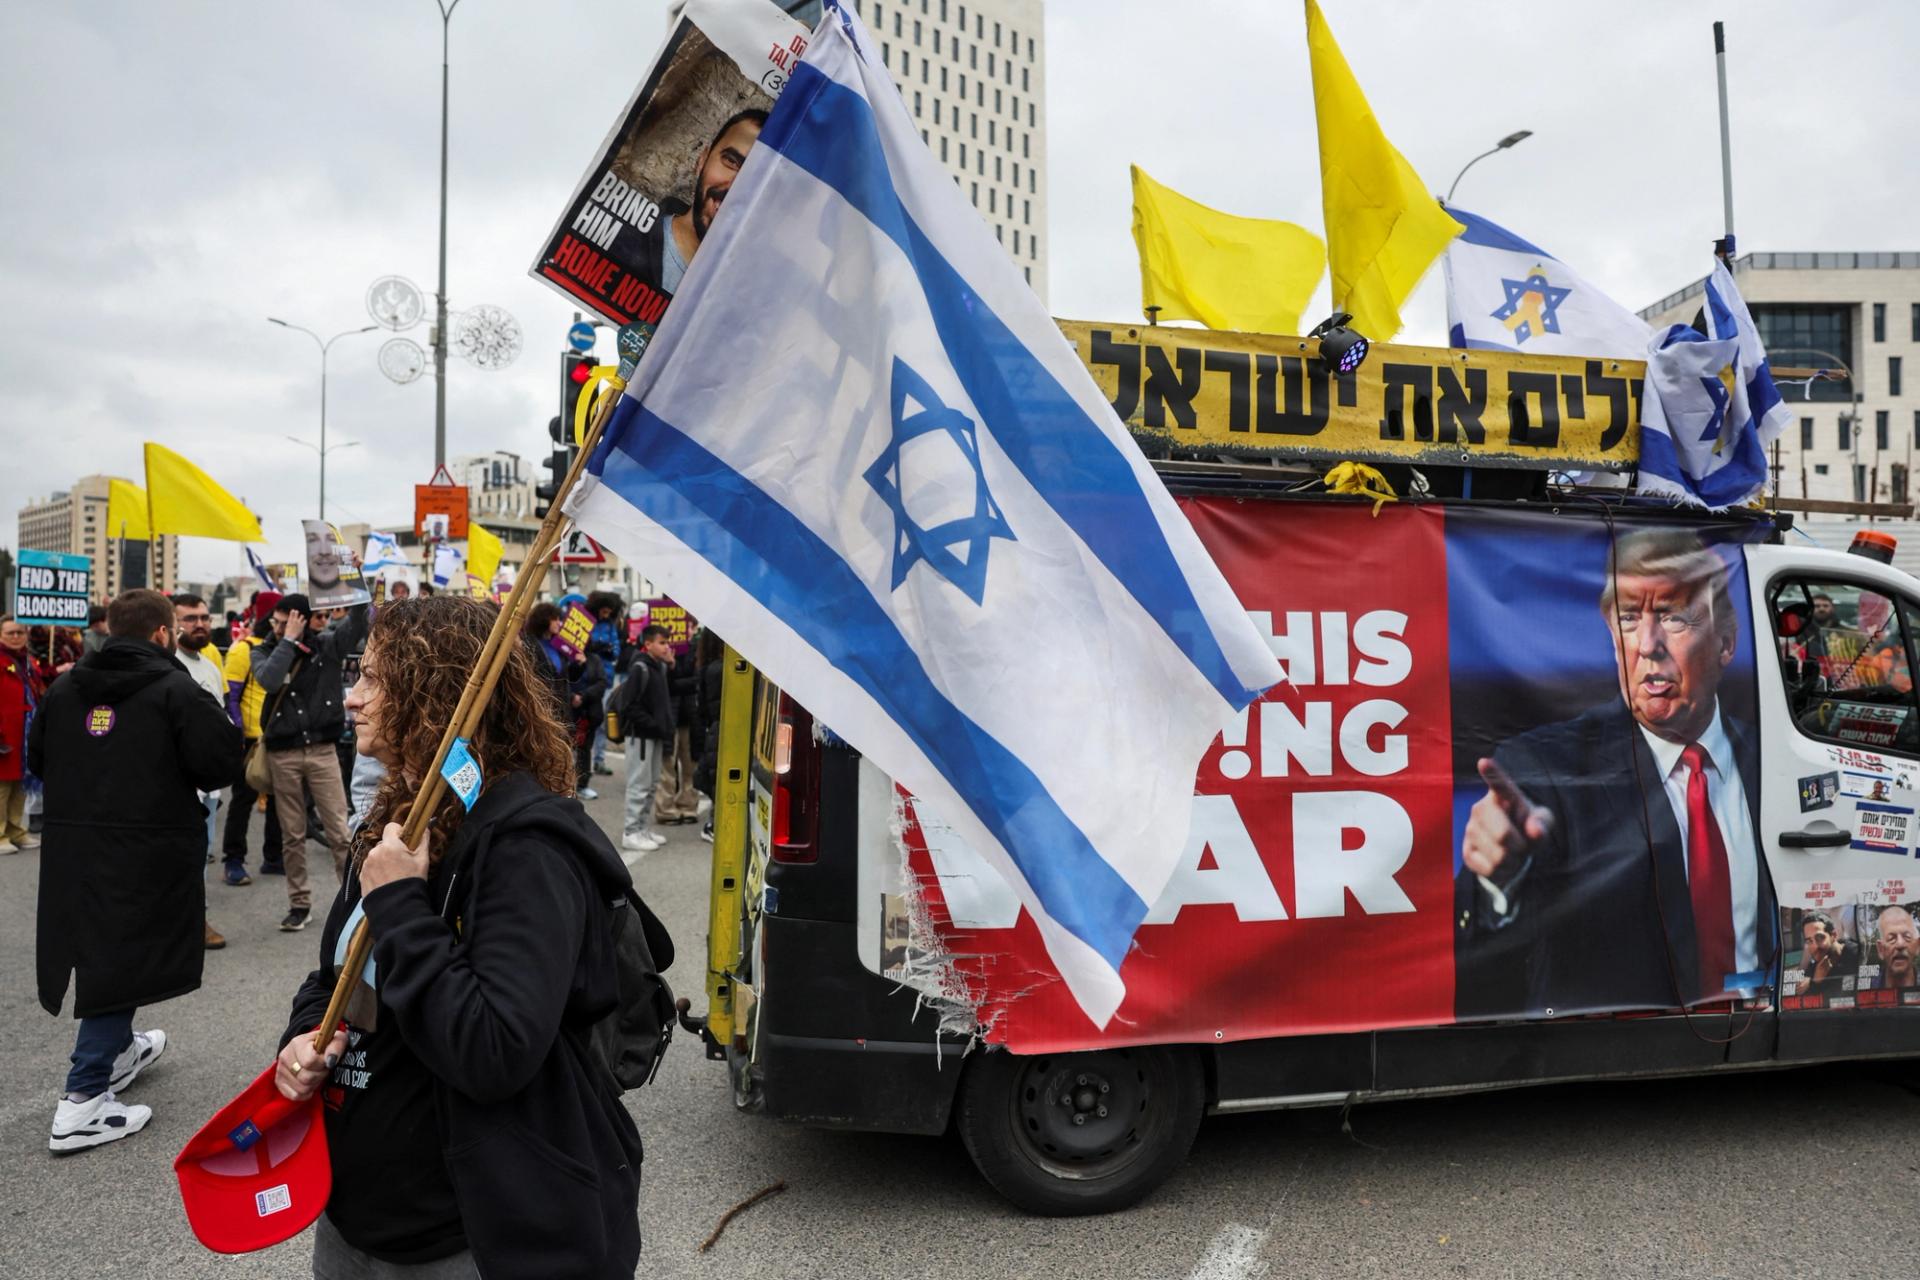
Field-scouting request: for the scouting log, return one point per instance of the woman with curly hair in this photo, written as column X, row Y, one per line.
column 471, row 1130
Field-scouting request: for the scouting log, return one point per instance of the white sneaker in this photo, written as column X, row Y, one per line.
column 101, row 1118
column 8, row 846
column 145, row 1050
column 588, row 793
column 646, row 842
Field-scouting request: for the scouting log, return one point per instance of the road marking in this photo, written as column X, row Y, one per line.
column 1234, row 1254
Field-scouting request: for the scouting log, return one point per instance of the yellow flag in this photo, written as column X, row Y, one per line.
column 185, row 499
column 1384, row 228
column 1248, row 274
column 484, row 549
column 126, row 510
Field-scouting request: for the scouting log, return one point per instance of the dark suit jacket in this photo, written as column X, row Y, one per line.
column 1600, row 922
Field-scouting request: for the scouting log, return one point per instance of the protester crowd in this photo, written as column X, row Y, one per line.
column 121, row 744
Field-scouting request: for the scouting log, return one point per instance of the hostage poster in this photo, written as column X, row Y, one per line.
column 333, row 572
column 1450, row 675
column 636, row 220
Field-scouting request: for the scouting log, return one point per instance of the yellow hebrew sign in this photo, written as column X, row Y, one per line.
column 1255, row 393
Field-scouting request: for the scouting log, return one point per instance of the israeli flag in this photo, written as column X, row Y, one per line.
column 1507, row 294
column 260, row 573
column 1710, row 406
column 383, row 552
column 860, row 449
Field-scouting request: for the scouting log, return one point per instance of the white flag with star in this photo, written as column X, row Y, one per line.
column 860, row 449
column 1508, row 294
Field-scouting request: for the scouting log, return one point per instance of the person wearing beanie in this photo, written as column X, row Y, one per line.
column 301, row 676
column 96, row 635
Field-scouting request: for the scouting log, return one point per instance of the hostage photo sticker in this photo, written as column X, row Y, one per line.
column 1818, row 791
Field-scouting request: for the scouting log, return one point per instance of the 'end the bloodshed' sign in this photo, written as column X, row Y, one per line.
column 55, row 589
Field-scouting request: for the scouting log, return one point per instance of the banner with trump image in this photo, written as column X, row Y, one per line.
column 1512, row 772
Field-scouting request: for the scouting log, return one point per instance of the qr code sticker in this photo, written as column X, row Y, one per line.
column 273, row 1200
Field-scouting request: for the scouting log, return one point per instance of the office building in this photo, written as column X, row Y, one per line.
column 974, row 76
column 75, row 521
column 1852, row 438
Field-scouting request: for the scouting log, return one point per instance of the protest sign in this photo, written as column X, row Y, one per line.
column 54, row 589
column 627, row 233
column 333, row 574
column 576, row 628
column 1258, row 393
column 663, row 612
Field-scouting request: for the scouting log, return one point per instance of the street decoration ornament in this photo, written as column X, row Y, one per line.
column 402, row 359
column 394, row 302
column 486, row 336
column 954, row 548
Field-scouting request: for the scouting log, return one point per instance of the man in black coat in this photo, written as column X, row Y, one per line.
column 124, row 743
column 1614, row 861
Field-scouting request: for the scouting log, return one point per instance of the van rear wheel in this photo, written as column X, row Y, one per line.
column 1075, row 1133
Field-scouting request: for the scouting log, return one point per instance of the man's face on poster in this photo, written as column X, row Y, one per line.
column 719, row 165
column 1670, row 653
column 1818, row 942
column 1899, row 941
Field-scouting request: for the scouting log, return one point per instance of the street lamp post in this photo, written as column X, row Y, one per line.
column 440, row 296
column 1511, row 140
column 324, row 345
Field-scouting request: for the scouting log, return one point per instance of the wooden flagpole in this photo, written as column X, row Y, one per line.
column 478, row 691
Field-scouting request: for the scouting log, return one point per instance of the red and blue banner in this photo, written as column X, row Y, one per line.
column 1470, row 798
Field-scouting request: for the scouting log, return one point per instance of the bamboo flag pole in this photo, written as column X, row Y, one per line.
column 493, row 659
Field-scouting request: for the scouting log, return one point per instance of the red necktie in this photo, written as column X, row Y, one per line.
column 1708, row 879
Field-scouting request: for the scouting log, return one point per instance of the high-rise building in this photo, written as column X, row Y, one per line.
column 974, row 76
column 498, row 484
column 1852, row 439
column 75, row 521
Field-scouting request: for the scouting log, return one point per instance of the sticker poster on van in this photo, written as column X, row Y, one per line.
column 1460, row 675
column 1850, row 944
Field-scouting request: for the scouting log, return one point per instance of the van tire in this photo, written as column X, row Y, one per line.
column 1141, row 1109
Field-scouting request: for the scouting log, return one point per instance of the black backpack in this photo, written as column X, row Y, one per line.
column 631, row 1041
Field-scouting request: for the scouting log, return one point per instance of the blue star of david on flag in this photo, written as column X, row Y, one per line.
column 1532, row 306
column 941, row 545
column 1718, row 394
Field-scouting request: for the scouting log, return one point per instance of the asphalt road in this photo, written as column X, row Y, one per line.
column 1805, row 1173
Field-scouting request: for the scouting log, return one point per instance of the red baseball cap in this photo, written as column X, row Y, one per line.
column 258, row 1173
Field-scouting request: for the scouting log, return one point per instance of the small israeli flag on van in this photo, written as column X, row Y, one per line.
column 860, row 449
column 1710, row 407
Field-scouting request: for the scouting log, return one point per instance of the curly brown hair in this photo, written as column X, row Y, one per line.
column 420, row 652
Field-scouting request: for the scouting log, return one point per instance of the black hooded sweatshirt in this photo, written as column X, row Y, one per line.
column 123, row 743
column 470, row 1115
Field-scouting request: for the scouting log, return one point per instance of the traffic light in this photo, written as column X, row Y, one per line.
column 561, row 431
column 576, row 371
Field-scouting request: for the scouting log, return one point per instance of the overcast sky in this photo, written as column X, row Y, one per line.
column 176, row 172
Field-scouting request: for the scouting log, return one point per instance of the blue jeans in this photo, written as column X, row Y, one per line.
column 99, row 1041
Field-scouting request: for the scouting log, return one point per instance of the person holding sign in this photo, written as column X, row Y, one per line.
column 301, row 675
column 466, row 1124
